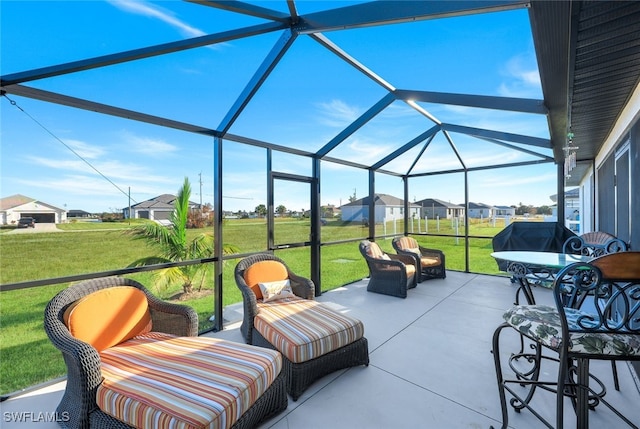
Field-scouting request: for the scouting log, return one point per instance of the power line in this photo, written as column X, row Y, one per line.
column 13, row 103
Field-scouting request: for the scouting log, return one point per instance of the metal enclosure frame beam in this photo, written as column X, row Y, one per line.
column 499, row 135
column 394, row 12
column 525, row 105
column 355, row 125
column 275, row 55
column 137, row 54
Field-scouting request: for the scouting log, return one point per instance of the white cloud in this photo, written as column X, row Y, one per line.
column 85, row 150
column 113, row 170
column 147, row 145
column 366, row 152
column 337, row 113
column 523, row 77
column 152, row 11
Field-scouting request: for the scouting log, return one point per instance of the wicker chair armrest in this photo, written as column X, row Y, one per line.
column 301, row 286
column 434, row 253
column 82, row 360
column 250, row 302
column 392, row 264
column 83, row 355
column 404, row 258
column 170, row 318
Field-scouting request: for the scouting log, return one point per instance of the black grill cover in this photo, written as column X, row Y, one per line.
column 539, row 236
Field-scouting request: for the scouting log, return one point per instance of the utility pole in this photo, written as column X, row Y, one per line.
column 200, row 175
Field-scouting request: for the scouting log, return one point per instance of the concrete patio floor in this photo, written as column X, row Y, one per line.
column 431, row 366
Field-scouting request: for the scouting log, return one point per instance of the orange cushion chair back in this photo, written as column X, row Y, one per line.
column 263, row 272
column 109, row 316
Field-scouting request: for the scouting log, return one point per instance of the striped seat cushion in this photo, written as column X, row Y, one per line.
column 429, row 262
column 304, row 329
column 162, row 381
column 407, row 243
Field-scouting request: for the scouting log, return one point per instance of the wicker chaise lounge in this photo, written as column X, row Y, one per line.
column 314, row 339
column 141, row 380
column 389, row 274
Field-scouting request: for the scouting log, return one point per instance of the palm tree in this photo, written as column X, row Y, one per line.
column 173, row 245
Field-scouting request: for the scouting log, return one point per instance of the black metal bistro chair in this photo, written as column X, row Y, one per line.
column 596, row 243
column 596, row 317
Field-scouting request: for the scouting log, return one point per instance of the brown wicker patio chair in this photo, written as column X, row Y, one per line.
column 389, row 274
column 430, row 261
column 89, row 370
column 314, row 339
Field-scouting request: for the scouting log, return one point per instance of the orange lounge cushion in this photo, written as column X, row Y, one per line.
column 407, row 243
column 263, row 272
column 411, row 270
column 109, row 316
column 375, row 251
column 426, row 261
column 162, row 381
column 304, row 329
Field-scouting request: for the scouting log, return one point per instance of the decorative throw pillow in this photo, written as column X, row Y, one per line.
column 272, row 291
column 415, row 250
column 385, row 257
column 264, row 271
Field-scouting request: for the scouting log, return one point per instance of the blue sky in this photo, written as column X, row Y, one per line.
column 54, row 153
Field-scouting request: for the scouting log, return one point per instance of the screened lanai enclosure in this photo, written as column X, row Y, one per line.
column 305, row 107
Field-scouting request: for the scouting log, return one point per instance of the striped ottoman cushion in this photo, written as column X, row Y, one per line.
column 304, row 329
column 161, row 381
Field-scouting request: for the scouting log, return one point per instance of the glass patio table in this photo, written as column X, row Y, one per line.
column 538, row 267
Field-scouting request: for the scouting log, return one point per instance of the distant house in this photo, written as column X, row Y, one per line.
column 18, row 206
column 504, row 211
column 480, row 210
column 571, row 209
column 78, row 214
column 330, row 211
column 158, row 208
column 432, row 207
column 386, row 207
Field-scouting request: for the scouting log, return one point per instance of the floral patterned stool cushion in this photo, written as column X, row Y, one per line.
column 541, row 323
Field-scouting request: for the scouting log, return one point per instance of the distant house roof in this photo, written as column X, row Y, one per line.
column 440, row 203
column 18, row 200
column 505, row 207
column 479, row 206
column 164, row 201
column 72, row 213
column 14, row 201
column 379, row 200
column 570, row 194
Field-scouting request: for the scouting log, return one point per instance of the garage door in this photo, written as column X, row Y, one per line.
column 41, row 217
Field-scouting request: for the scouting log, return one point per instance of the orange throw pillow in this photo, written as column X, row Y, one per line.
column 109, row 316
column 262, row 272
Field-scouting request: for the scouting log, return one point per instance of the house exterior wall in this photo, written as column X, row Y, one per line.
column 360, row 213
column 435, row 211
column 43, row 213
column 505, row 211
column 483, row 212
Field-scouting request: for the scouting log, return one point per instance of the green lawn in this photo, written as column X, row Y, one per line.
column 87, row 247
